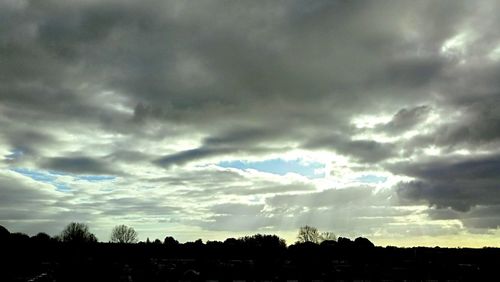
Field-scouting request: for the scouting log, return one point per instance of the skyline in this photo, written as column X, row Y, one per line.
column 220, row 119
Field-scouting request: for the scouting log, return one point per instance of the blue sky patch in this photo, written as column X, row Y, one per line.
column 278, row 166
column 95, row 178
column 89, row 178
column 45, row 177
column 51, row 177
column 36, row 175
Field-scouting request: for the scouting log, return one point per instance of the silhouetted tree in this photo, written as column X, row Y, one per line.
column 363, row 243
column 41, row 238
column 344, row 242
column 77, row 233
column 263, row 241
column 123, row 234
column 19, row 238
column 309, row 234
column 231, row 243
column 328, row 243
column 169, row 241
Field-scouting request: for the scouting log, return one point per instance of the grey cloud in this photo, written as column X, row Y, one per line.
column 128, row 156
column 256, row 68
column 406, row 119
column 347, row 211
column 24, row 203
column 452, row 168
column 369, row 151
column 203, row 184
column 477, row 219
column 25, row 144
column 470, row 96
column 246, row 140
column 79, row 165
column 19, row 193
column 135, row 207
column 411, row 73
column 184, row 157
column 479, row 125
column 259, row 78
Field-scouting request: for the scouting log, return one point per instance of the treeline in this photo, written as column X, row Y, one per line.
column 76, row 255
column 79, row 233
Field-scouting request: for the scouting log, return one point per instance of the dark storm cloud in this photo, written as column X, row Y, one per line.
column 411, row 73
column 478, row 219
column 459, row 183
column 78, row 165
column 479, row 124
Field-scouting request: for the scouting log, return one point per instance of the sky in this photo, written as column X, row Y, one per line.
column 217, row 119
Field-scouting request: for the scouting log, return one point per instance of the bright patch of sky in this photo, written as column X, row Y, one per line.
column 279, row 166
column 372, row 179
column 495, row 54
column 456, row 46
column 370, row 121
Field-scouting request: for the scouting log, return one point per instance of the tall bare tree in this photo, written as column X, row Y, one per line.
column 309, row 234
column 123, row 234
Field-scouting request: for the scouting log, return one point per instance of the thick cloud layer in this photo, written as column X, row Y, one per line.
column 124, row 111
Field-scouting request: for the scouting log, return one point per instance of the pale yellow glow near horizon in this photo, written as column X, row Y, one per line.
column 462, row 240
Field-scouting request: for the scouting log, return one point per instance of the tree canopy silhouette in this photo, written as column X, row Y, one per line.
column 77, row 233
column 170, row 241
column 123, row 234
column 4, row 233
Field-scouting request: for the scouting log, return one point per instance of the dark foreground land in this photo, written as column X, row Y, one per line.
column 30, row 259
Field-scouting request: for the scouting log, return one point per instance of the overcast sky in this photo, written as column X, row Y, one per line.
column 216, row 119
